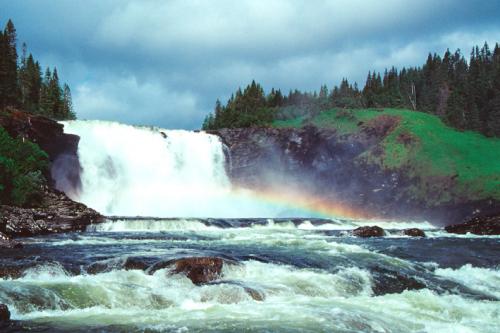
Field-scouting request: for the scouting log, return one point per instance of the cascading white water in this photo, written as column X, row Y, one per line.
column 142, row 171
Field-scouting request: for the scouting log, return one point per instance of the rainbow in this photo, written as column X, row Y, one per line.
column 306, row 202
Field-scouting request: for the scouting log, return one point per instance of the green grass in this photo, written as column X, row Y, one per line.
column 295, row 123
column 456, row 164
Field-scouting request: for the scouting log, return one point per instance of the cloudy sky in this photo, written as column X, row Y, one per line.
column 164, row 63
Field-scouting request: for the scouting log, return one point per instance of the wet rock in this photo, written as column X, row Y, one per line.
column 4, row 313
column 56, row 214
column 109, row 265
column 480, row 225
column 369, row 231
column 198, row 269
column 7, row 243
column 134, row 263
column 10, row 272
column 413, row 232
column 391, row 282
column 256, row 294
column 97, row 267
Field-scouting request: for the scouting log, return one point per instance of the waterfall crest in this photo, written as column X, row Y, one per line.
column 143, row 171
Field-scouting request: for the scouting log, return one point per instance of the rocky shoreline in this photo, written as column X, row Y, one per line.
column 57, row 212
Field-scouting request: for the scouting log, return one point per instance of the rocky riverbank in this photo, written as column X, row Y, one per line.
column 480, row 225
column 322, row 163
column 56, row 213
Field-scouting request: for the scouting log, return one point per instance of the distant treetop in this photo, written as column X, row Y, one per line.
column 22, row 85
column 466, row 95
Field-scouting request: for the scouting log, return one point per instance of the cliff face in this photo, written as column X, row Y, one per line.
column 57, row 213
column 48, row 134
column 62, row 148
column 322, row 163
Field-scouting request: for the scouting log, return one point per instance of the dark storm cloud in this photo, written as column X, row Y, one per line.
column 165, row 62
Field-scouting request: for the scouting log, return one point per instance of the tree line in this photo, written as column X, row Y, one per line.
column 464, row 94
column 23, row 86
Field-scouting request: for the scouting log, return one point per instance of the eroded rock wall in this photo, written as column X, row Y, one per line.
column 322, row 163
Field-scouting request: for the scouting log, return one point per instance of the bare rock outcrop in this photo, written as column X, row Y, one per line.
column 56, row 214
column 480, row 225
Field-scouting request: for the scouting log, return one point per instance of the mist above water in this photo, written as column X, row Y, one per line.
column 141, row 171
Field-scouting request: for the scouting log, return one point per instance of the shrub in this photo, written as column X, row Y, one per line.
column 22, row 164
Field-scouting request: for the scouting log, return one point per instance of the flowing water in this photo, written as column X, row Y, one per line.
column 142, row 171
column 311, row 275
column 279, row 274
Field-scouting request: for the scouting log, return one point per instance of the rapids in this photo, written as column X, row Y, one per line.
column 312, row 275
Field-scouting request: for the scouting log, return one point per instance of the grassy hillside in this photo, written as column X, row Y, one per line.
column 452, row 165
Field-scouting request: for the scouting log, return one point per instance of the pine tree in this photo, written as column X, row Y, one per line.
column 67, row 106
column 45, row 98
column 494, row 104
column 55, row 97
column 35, row 85
column 494, row 116
column 9, row 90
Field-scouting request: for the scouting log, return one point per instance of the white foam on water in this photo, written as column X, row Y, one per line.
column 486, row 280
column 294, row 299
column 395, row 225
column 150, row 226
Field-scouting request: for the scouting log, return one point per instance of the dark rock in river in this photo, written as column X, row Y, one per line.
column 57, row 214
column 480, row 225
column 413, row 232
column 391, row 282
column 7, row 243
column 134, row 263
column 256, row 294
column 4, row 313
column 129, row 263
column 369, row 231
column 11, row 272
column 198, row 269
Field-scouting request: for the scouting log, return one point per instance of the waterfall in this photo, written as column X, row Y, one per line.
column 143, row 171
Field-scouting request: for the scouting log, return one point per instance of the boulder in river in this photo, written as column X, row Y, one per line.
column 391, row 282
column 7, row 243
column 479, row 225
column 4, row 313
column 256, row 294
column 369, row 231
column 413, row 232
column 134, row 263
column 129, row 263
column 199, row 270
column 11, row 272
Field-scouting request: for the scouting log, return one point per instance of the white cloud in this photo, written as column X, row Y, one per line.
column 128, row 100
column 272, row 28
column 165, row 62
